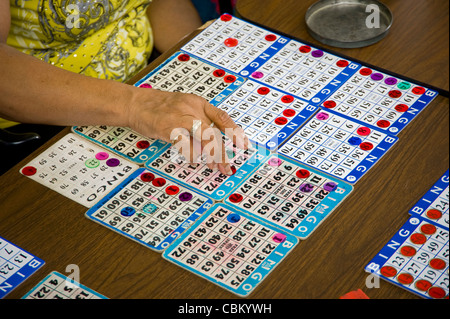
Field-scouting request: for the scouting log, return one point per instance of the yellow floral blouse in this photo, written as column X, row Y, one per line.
column 108, row 39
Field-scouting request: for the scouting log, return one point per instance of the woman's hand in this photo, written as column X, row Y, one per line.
column 174, row 118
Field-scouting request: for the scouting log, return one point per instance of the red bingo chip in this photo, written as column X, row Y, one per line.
column 437, row 263
column 271, row 37
column 281, row 120
column 172, row 190
column 434, row 214
column 219, row 73
column 263, row 90
column 428, row 229
column 159, row 182
column 383, row 123
column 388, row 271
column 408, row 251
column 305, row 49
column 147, row 177
column 365, row 71
column 184, row 57
column 418, row 239
column 29, row 170
column 289, row 112
column 226, row 17
column 418, row 90
column 231, row 42
column 229, row 78
column 401, row 108
column 366, row 146
column 363, row 131
column 423, row 284
column 287, row 99
column 235, row 198
column 233, row 169
column 302, row 173
column 143, row 144
column 395, row 94
column 436, row 292
column 342, row 63
column 405, row 278
column 329, row 104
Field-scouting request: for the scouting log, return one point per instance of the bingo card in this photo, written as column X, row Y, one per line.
column 16, row 265
column 416, row 259
column 380, row 100
column 78, row 169
column 187, row 74
column 231, row 249
column 149, row 209
column 323, row 79
column 434, row 204
column 58, row 286
column 289, row 196
column 122, row 140
column 268, row 116
column 338, row 146
column 197, row 175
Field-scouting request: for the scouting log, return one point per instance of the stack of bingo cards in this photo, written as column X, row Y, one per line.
column 417, row 257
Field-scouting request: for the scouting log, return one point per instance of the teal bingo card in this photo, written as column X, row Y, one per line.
column 231, row 249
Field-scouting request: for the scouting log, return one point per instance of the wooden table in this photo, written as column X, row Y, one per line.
column 328, row 264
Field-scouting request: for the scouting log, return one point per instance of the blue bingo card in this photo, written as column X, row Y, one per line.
column 231, row 249
column 169, row 162
column 385, row 102
column 268, row 116
column 188, row 74
column 337, row 146
column 16, row 265
column 415, row 259
column 271, row 59
column 122, row 140
column 149, row 209
column 434, row 204
column 375, row 98
column 58, row 286
column 290, row 196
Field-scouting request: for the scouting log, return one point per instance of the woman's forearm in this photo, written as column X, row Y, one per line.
column 33, row 91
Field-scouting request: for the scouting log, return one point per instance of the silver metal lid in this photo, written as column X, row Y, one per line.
column 348, row 23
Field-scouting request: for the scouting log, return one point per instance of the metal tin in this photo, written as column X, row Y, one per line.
column 348, row 23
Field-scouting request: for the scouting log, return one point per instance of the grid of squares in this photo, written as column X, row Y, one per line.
column 228, row 248
column 78, row 169
column 290, row 196
column 262, row 112
column 231, row 43
column 58, row 286
column 187, row 74
column 376, row 98
column 301, row 70
column 416, row 259
column 121, row 140
column 334, row 144
column 149, row 209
